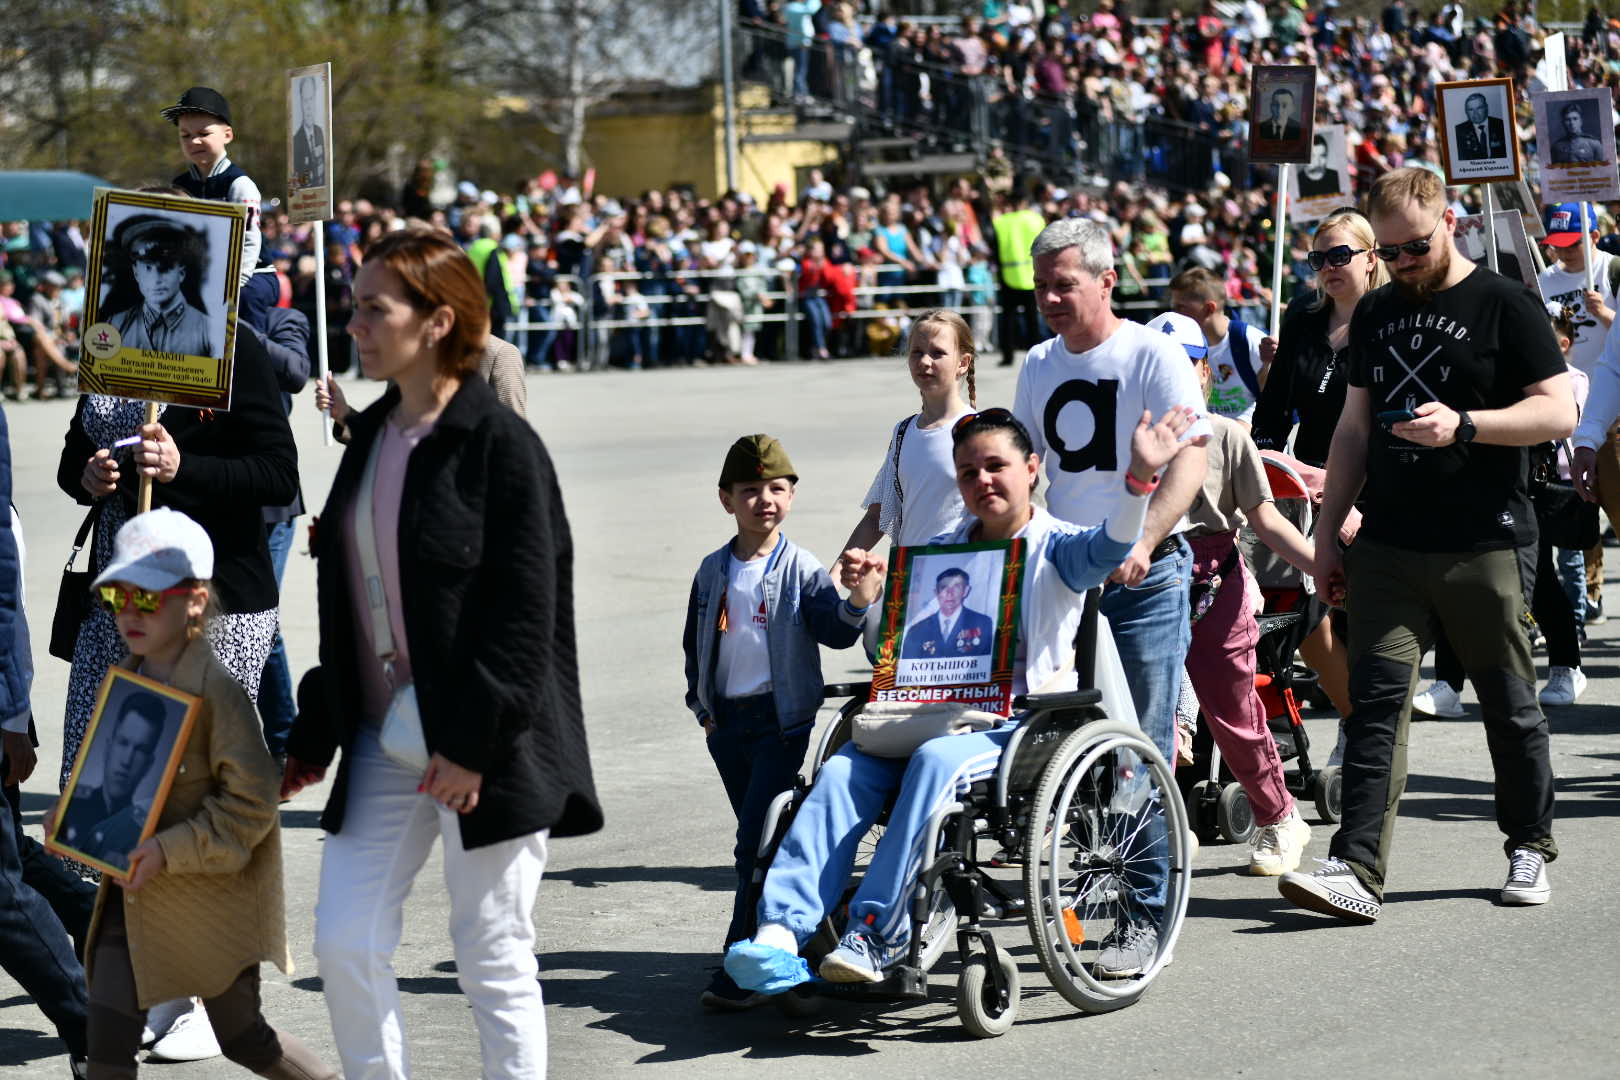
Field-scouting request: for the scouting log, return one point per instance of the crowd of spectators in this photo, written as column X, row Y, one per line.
column 579, row 278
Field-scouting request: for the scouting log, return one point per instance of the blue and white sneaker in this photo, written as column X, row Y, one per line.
column 764, row 969
column 860, row 957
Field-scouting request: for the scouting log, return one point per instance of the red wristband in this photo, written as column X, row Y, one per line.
column 1136, row 487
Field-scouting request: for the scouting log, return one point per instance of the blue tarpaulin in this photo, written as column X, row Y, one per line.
column 46, row 196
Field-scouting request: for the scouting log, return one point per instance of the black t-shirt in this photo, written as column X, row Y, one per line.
column 1473, row 346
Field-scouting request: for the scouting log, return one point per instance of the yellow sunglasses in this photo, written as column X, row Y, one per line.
column 115, row 598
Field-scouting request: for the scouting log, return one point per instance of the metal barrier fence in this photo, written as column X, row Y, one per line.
column 593, row 329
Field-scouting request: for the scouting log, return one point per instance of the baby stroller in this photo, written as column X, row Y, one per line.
column 1216, row 803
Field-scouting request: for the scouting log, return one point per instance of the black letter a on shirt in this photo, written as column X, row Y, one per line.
column 1102, row 399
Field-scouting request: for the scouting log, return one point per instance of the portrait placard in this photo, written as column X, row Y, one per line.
column 1326, row 182
column 1282, row 113
column 1516, row 195
column 1480, row 142
column 309, row 143
column 1513, row 258
column 949, row 627
column 1575, row 146
column 122, row 775
column 160, row 298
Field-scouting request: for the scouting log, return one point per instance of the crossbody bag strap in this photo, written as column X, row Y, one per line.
column 83, row 534
column 365, row 542
column 899, row 493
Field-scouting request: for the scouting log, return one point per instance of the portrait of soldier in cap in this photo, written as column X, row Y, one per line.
column 104, row 820
column 1576, row 145
column 158, row 267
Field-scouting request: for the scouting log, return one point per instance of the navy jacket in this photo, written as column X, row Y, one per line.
column 13, row 683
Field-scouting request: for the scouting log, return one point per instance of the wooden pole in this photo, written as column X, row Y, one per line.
column 1281, row 250
column 320, row 322
column 143, row 499
column 1586, row 243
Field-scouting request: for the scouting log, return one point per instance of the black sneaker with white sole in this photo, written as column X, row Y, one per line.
column 1527, row 878
column 1334, row 889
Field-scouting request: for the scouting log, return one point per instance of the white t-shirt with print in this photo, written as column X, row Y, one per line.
column 1228, row 394
column 931, row 504
column 1559, row 286
column 1081, row 410
column 743, row 667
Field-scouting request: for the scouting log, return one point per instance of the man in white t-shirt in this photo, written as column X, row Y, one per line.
column 1081, row 395
column 1236, row 372
column 1565, row 283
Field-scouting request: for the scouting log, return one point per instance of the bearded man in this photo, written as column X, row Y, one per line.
column 1453, row 371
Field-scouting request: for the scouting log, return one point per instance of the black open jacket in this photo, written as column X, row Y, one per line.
column 1306, row 383
column 486, row 575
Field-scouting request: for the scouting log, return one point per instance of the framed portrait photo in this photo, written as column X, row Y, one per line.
column 309, row 143
column 1575, row 146
column 160, row 298
column 950, row 625
column 122, row 775
column 1324, row 183
column 1282, row 113
column 1516, row 196
column 1513, row 256
column 1477, row 133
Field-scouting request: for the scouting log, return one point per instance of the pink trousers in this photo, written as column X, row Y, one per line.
column 1221, row 665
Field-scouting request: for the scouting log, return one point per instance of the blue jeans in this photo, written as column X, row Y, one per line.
column 1571, row 566
column 276, row 709
column 819, row 315
column 34, row 948
column 756, row 764
column 1152, row 632
column 815, row 858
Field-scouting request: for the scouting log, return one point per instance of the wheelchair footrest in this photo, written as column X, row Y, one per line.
column 901, row 983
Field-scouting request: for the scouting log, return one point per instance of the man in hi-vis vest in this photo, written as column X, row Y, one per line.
column 1015, row 230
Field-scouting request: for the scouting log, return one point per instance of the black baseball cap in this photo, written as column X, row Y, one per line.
column 199, row 99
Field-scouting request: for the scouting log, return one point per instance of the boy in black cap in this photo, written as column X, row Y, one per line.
column 761, row 606
column 203, row 117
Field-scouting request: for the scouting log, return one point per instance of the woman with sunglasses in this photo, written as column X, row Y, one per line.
column 444, row 574
column 1307, row 384
column 996, row 473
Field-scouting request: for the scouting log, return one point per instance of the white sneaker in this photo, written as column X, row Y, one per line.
column 1277, row 848
column 1438, row 699
column 1564, row 686
column 190, row 1038
column 1527, row 878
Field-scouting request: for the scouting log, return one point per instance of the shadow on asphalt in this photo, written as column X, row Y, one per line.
column 707, row 878
column 1580, row 797
column 21, row 1047
column 1278, row 915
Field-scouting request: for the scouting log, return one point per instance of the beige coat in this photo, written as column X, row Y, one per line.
column 217, row 906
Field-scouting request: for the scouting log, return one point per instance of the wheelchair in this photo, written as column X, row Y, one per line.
column 1078, row 799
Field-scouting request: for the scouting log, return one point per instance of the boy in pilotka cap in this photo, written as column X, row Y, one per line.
column 760, row 608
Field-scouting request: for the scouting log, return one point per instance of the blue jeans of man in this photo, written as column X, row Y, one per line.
column 1152, row 631
column 1571, row 565
column 35, row 949
column 819, row 315
column 814, row 860
column 276, row 708
column 756, row 764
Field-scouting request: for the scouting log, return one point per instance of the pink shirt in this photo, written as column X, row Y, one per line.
column 394, row 455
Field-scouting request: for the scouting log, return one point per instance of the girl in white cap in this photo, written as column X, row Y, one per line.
column 203, row 904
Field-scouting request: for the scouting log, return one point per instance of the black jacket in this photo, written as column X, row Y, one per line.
column 486, row 572
column 232, row 465
column 1306, row 385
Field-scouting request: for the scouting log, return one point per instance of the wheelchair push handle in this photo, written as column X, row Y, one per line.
column 846, row 689
column 1063, row 699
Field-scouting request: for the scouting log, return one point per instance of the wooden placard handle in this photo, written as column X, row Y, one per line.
column 143, row 500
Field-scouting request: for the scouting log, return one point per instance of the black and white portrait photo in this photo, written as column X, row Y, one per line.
column 309, row 131
column 123, row 771
column 160, row 298
column 1575, row 145
column 1282, row 107
column 1476, row 124
column 1326, row 182
column 1516, row 196
column 1513, row 257
column 950, row 618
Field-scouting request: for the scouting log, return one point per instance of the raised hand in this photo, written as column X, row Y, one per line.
column 1155, row 445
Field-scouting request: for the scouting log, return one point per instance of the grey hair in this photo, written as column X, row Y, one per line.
column 1096, row 249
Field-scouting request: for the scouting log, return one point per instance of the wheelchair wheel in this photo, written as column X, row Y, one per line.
column 977, row 1003
column 1329, row 794
column 1235, row 815
column 1106, row 801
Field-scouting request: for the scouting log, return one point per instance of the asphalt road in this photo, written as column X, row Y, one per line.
column 1447, row 984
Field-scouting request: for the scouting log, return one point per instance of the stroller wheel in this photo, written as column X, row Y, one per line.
column 1202, row 809
column 1235, row 816
column 1329, row 794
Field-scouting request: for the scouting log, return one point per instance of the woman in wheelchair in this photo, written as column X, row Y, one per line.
column 996, row 472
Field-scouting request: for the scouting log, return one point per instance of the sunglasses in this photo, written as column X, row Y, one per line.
column 115, row 598
column 1415, row 248
column 1340, row 256
column 993, row 417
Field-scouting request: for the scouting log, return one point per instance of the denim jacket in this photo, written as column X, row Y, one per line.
column 802, row 609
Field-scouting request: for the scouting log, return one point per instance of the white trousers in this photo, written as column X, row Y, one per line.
column 367, row 871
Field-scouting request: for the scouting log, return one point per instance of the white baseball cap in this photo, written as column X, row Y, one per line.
column 1178, row 328
column 158, row 550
